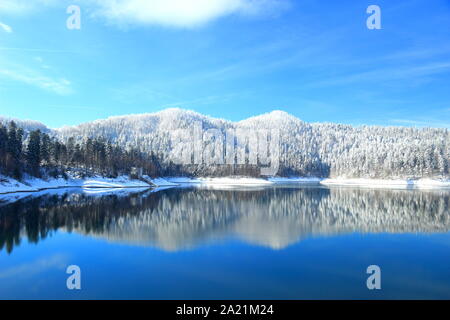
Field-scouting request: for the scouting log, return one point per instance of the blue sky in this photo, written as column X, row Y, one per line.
column 315, row 59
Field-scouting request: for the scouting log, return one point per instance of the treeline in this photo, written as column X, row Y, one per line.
column 320, row 149
column 38, row 154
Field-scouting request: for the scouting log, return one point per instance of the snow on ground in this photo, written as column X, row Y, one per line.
column 116, row 191
column 382, row 183
column 430, row 183
column 232, row 181
column 119, row 182
column 374, row 183
column 9, row 185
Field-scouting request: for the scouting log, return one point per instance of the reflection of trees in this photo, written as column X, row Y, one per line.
column 38, row 217
column 180, row 218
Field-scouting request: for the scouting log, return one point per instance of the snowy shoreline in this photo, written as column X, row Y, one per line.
column 360, row 182
column 9, row 185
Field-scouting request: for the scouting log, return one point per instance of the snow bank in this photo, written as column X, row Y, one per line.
column 372, row 183
column 382, row 183
column 9, row 185
column 114, row 191
column 231, row 181
column 119, row 182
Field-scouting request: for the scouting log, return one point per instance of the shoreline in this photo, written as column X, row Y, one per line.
column 10, row 186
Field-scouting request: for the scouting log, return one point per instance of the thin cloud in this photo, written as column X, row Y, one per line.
column 180, row 13
column 5, row 27
column 59, row 86
column 169, row 13
column 389, row 74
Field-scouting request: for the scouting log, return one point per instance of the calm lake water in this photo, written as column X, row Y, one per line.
column 283, row 242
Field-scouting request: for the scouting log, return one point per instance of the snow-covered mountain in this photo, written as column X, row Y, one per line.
column 27, row 125
column 319, row 149
column 305, row 149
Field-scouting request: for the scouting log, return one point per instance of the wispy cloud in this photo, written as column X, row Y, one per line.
column 29, row 269
column 60, row 86
column 172, row 13
column 181, row 13
column 413, row 73
column 5, row 27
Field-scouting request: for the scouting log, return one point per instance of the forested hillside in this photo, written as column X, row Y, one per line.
column 38, row 154
column 114, row 145
column 317, row 149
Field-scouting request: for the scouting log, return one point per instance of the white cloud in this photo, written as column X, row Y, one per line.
column 180, row 13
column 173, row 13
column 59, row 86
column 5, row 27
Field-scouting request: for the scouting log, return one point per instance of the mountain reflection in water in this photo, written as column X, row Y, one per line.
column 181, row 218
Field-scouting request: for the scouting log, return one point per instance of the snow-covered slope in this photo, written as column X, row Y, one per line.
column 31, row 184
column 308, row 150
column 26, row 125
column 323, row 150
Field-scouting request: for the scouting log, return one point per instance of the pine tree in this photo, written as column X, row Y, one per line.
column 45, row 149
column 34, row 152
column 3, row 147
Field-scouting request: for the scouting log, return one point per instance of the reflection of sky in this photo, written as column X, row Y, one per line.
column 212, row 244
column 413, row 266
column 34, row 267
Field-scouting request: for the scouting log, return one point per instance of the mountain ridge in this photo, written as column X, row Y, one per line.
column 305, row 149
column 275, row 114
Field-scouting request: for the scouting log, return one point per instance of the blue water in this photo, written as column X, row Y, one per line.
column 252, row 243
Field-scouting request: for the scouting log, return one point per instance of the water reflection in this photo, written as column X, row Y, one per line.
column 180, row 218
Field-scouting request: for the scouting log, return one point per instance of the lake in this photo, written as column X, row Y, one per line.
column 277, row 242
